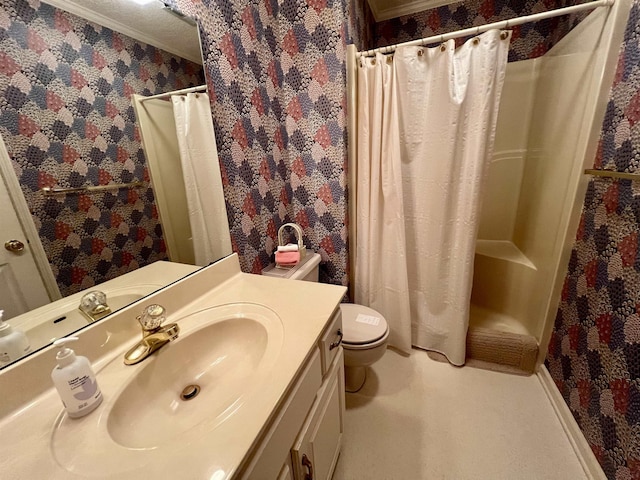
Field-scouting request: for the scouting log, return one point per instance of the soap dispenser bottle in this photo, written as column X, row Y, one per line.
column 14, row 344
column 75, row 381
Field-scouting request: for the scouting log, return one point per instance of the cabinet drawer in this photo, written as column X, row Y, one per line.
column 331, row 340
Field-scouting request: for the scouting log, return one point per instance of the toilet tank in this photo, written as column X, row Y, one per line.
column 307, row 270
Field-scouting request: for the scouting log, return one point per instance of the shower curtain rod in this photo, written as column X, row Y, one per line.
column 504, row 24
column 176, row 92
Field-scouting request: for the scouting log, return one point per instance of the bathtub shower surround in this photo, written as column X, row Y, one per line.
column 437, row 131
column 67, row 120
column 594, row 353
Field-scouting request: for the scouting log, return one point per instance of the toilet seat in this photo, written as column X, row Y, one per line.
column 367, row 346
column 362, row 327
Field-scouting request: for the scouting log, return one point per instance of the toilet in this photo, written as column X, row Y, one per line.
column 365, row 331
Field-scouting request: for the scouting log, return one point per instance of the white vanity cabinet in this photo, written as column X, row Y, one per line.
column 303, row 440
column 276, row 402
column 315, row 452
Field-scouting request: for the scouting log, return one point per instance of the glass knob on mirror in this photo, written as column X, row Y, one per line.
column 152, row 317
column 93, row 302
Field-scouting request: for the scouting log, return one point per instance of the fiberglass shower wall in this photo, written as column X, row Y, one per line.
column 550, row 115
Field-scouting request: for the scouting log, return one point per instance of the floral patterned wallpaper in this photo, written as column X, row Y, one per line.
column 276, row 77
column 594, row 353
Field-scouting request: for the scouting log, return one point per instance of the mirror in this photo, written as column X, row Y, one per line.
column 68, row 72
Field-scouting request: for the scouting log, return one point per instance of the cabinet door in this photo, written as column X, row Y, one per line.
column 275, row 447
column 316, row 450
column 287, row 471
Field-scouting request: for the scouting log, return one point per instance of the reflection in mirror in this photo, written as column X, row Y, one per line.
column 181, row 152
column 67, row 121
column 57, row 319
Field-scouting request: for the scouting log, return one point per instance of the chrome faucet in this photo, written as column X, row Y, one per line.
column 93, row 305
column 154, row 336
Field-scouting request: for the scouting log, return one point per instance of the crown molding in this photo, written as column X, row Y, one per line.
column 381, row 11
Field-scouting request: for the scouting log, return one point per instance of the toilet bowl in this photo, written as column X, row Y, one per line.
column 365, row 331
column 365, row 337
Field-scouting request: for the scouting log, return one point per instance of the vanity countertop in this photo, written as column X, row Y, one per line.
column 29, row 419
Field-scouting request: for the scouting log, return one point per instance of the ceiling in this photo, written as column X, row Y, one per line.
column 149, row 23
column 386, row 9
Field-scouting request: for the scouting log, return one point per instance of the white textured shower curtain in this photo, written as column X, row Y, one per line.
column 426, row 124
column 201, row 172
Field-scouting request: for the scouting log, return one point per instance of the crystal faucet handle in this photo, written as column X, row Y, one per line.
column 152, row 317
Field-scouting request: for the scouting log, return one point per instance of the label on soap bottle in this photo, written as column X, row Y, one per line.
column 84, row 388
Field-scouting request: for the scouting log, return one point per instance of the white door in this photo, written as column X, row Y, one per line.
column 21, row 286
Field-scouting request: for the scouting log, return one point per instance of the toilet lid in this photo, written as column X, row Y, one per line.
column 361, row 324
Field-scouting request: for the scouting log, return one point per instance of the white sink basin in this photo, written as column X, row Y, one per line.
column 220, row 359
column 227, row 351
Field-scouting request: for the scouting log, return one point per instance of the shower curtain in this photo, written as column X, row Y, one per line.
column 426, row 124
column 201, row 172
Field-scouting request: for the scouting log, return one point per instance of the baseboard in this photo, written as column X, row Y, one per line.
column 586, row 457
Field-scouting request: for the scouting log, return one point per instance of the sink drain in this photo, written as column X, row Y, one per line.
column 189, row 392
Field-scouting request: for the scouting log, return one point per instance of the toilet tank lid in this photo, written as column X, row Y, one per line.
column 361, row 324
column 305, row 266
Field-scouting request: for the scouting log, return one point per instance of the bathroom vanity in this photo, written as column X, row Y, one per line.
column 304, row 437
column 264, row 354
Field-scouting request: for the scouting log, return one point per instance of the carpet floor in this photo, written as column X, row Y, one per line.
column 416, row 418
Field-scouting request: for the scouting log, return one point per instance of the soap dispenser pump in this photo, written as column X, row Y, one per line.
column 75, row 381
column 14, row 344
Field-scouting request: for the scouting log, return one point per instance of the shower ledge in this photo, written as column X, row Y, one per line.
column 503, row 250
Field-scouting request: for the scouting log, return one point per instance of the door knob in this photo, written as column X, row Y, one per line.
column 14, row 245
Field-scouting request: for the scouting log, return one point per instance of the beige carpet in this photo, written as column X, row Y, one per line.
column 416, row 419
column 498, row 351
